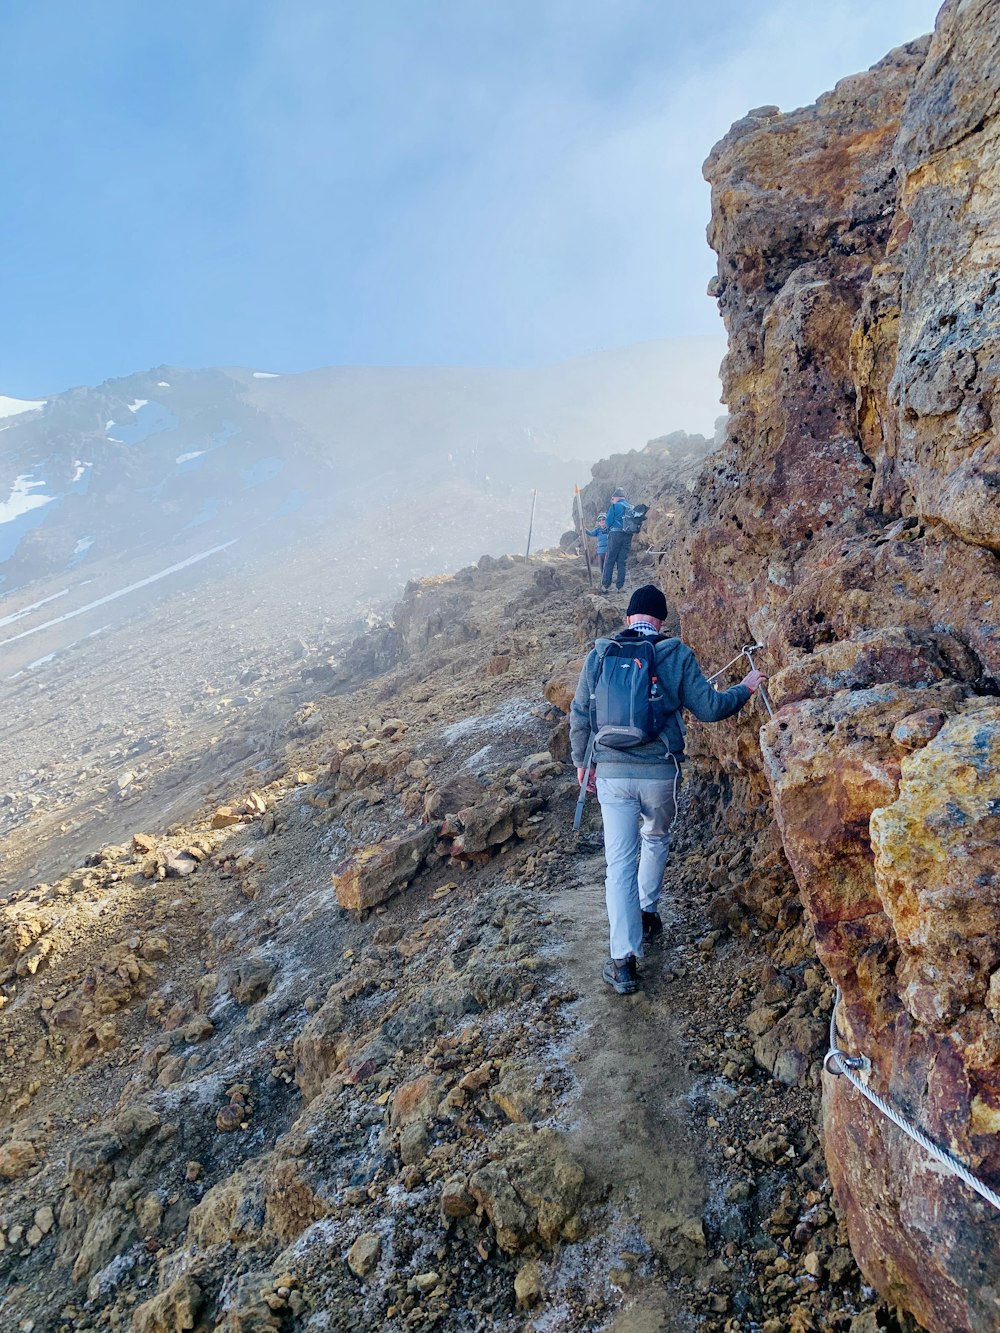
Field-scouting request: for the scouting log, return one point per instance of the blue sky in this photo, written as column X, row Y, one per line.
column 287, row 185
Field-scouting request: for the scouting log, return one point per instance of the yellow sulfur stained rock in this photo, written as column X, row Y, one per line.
column 937, row 867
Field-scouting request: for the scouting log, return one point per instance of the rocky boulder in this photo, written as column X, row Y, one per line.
column 531, row 1190
column 415, row 1101
column 790, row 1046
column 382, row 870
column 320, row 1048
column 430, row 610
column 175, row 1310
column 935, row 1033
column 482, row 828
column 560, row 687
column 937, row 871
column 17, row 1158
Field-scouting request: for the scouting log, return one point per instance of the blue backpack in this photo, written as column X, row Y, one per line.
column 627, row 705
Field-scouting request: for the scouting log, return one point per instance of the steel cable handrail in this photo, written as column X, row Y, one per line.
column 837, row 1062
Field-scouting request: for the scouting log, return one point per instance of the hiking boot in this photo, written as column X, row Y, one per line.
column 621, row 973
column 652, row 927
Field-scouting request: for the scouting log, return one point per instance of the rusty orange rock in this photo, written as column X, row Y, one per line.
column 382, row 870
column 560, row 688
column 416, row 1100
column 850, row 522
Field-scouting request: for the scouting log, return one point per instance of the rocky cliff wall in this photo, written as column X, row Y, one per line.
column 850, row 522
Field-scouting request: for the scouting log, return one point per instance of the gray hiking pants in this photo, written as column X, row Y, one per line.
column 638, row 814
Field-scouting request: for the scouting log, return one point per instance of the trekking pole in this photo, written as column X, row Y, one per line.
column 748, row 651
column 531, row 523
column 584, row 783
column 583, row 535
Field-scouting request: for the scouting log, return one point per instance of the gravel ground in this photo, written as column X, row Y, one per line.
column 230, row 1104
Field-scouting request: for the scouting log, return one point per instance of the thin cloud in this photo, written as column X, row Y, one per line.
column 313, row 183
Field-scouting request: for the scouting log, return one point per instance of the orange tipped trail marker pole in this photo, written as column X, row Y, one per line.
column 531, row 524
column 583, row 536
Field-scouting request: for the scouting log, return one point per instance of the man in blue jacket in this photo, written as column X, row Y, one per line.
column 619, row 541
column 639, row 786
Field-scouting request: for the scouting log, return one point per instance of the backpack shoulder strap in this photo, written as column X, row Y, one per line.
column 600, row 654
column 609, row 648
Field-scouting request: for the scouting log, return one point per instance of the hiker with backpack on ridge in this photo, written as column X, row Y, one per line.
column 625, row 719
column 600, row 531
column 624, row 521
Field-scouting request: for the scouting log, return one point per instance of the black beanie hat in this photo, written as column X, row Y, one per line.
column 648, row 601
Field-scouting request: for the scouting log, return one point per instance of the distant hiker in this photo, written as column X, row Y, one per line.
column 624, row 521
column 626, row 720
column 601, row 533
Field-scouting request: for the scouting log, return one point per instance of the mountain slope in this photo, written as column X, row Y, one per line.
column 233, row 1102
column 443, row 459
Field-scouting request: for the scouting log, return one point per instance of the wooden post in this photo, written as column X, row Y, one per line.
column 531, row 524
column 578, row 514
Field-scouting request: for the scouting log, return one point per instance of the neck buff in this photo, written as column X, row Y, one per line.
column 643, row 625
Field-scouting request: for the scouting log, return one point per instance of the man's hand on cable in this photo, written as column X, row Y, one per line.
column 753, row 680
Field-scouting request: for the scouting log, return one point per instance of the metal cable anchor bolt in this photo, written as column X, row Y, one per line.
column 833, row 1058
column 748, row 651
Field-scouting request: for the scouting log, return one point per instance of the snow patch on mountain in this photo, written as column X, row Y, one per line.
column 79, row 551
column 21, row 499
column 19, row 514
column 12, row 407
column 58, row 652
